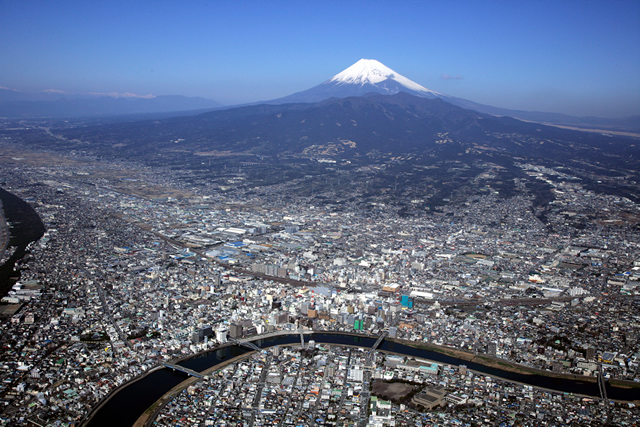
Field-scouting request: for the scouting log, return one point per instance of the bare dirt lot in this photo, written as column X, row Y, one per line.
column 391, row 391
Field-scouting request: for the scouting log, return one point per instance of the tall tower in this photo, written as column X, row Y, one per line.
column 221, row 334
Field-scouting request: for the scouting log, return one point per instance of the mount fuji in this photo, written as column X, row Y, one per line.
column 370, row 75
column 365, row 76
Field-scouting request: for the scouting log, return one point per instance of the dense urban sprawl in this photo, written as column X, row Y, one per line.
column 121, row 283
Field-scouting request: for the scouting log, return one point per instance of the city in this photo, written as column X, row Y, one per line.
column 122, row 283
column 301, row 214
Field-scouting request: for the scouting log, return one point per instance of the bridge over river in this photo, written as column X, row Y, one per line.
column 126, row 406
column 183, row 369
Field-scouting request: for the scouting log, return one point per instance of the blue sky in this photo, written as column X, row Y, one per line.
column 574, row 57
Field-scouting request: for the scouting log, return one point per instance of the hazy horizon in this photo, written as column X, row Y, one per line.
column 574, row 57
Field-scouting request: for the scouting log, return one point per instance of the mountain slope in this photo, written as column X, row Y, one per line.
column 431, row 149
column 369, row 75
column 355, row 126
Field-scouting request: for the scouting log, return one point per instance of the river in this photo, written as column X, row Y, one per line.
column 128, row 404
column 26, row 227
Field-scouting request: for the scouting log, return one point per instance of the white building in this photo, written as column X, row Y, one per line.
column 221, row 334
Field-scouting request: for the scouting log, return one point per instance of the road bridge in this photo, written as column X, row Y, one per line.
column 246, row 344
column 183, row 369
column 377, row 343
column 601, row 383
column 603, row 393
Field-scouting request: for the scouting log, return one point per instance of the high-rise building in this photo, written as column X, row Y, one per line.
column 304, row 308
column 206, row 331
column 492, row 348
column 591, row 353
column 330, row 370
column 282, row 318
column 351, row 319
column 221, row 334
column 406, row 301
column 200, row 334
column 235, row 330
column 367, row 323
column 388, row 317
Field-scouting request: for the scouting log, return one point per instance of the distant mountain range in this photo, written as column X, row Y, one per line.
column 15, row 104
column 364, row 77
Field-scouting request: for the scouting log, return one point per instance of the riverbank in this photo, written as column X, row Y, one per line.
column 150, row 414
column 4, row 233
column 218, row 357
column 26, row 227
column 113, row 392
column 488, row 361
column 505, row 365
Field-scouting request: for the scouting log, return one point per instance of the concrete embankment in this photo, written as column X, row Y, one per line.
column 112, row 393
column 479, row 363
column 150, row 414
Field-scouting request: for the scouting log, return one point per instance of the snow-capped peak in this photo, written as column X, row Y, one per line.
column 370, row 71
